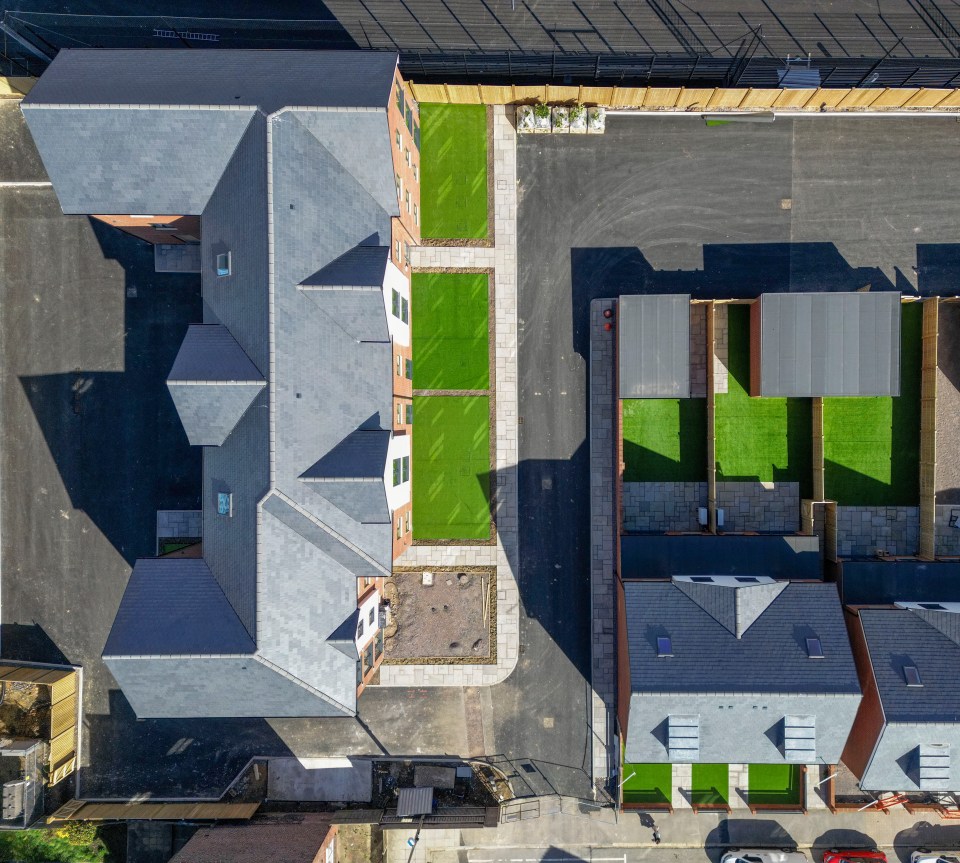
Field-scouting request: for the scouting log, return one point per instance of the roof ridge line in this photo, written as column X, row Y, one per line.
column 259, row 657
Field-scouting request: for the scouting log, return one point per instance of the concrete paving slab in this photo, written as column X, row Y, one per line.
column 320, row 779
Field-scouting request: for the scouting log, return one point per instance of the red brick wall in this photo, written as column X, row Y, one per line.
column 406, row 156
column 868, row 724
column 142, row 228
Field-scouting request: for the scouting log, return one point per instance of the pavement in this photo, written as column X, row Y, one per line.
column 572, row 833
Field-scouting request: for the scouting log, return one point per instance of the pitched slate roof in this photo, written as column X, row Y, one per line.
column 319, row 209
column 175, row 606
column 769, row 656
column 734, row 606
column 897, row 638
column 212, row 383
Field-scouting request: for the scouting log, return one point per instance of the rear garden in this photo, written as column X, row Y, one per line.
column 665, row 440
column 872, row 445
column 454, row 187
column 759, row 439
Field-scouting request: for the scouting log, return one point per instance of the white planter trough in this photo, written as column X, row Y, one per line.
column 578, row 120
column 524, row 119
column 596, row 120
column 561, row 119
column 541, row 118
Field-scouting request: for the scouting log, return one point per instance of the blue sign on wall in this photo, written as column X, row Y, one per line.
column 224, row 503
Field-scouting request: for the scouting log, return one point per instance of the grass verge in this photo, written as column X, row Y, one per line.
column 665, row 440
column 451, row 467
column 453, row 171
column 872, row 445
column 759, row 439
column 774, row 784
column 650, row 783
column 450, row 319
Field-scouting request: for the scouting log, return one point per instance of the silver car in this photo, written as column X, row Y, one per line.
column 763, row 855
column 922, row 855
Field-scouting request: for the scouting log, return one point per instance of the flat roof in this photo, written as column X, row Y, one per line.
column 662, row 556
column 830, row 344
column 654, row 346
column 884, row 582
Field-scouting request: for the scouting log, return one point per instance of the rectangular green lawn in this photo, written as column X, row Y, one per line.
column 451, row 467
column 453, row 171
column 872, row 445
column 450, row 321
column 650, row 783
column 759, row 439
column 665, row 440
column 774, row 784
column 710, row 784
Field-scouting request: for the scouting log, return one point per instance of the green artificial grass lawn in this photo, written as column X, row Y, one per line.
column 759, row 439
column 650, row 783
column 872, row 445
column 453, row 171
column 451, row 467
column 774, row 783
column 710, row 784
column 665, row 440
column 450, row 321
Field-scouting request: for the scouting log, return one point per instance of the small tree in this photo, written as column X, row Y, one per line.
column 541, row 111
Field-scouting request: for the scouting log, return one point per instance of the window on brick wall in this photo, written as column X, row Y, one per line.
column 406, row 199
column 409, row 119
column 397, row 247
column 409, row 369
column 399, row 365
column 399, row 141
column 415, row 172
column 416, row 136
column 404, row 310
column 416, row 215
column 397, row 471
column 395, row 308
column 401, row 99
column 407, row 519
column 399, row 528
column 406, row 468
column 409, row 413
column 406, row 155
column 399, row 188
column 399, row 414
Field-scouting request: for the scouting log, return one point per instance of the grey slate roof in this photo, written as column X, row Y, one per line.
column 657, row 556
column 134, row 161
column 175, row 606
column 212, row 383
column 830, row 344
column 653, row 333
column 744, row 692
column 735, row 608
column 269, row 80
column 915, row 717
column 288, row 558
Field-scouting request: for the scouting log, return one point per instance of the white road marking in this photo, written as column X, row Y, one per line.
column 12, row 184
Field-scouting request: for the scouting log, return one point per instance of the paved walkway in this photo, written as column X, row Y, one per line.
column 603, row 538
column 862, row 530
column 503, row 259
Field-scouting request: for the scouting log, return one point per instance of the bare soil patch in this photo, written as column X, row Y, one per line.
column 448, row 619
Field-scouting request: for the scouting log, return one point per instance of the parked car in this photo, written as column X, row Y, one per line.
column 924, row 855
column 854, row 855
column 763, row 855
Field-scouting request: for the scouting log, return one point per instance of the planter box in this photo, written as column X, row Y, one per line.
column 596, row 120
column 578, row 120
column 541, row 124
column 524, row 119
column 561, row 120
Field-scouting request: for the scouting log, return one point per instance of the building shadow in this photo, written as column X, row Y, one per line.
column 841, row 839
column 115, row 436
column 923, row 834
column 747, row 833
column 29, row 642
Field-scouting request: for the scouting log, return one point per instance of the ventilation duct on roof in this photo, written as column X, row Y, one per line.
column 800, row 739
column 683, row 738
column 934, row 766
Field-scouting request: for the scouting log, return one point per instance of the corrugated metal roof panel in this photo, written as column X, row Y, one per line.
column 414, row 801
column 654, row 342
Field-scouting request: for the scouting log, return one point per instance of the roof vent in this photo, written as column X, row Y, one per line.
column 912, row 675
column 814, row 648
column 664, row 645
column 932, row 606
column 701, row 579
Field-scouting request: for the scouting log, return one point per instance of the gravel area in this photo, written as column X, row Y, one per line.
column 449, row 618
column 948, row 405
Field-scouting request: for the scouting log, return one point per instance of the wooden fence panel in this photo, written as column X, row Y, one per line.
column 928, row 430
column 711, row 423
column 597, row 95
column 859, row 98
column 496, row 95
column 727, row 97
column 951, row 100
column 628, row 97
column 760, row 99
column 894, row 97
column 463, row 94
column 64, row 687
column 529, row 93
column 826, row 98
column 562, row 94
column 428, row 92
column 661, row 98
column 794, row 99
column 62, row 747
column 63, row 715
column 818, row 460
column 927, row 97
column 694, row 99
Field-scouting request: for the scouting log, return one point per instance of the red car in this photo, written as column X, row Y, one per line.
column 854, row 855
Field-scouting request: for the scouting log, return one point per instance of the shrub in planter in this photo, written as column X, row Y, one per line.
column 596, row 120
column 525, row 118
column 578, row 119
column 561, row 119
column 541, row 118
